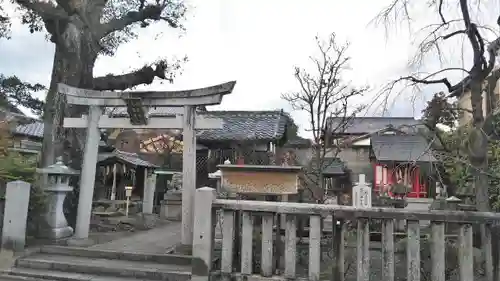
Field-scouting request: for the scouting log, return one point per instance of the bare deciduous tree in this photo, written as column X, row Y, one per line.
column 324, row 93
column 480, row 79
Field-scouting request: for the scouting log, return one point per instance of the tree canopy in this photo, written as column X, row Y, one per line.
column 15, row 93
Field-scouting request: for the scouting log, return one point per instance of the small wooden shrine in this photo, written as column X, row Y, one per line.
column 260, row 180
column 119, row 169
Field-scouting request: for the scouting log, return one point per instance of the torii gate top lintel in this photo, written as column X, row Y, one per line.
column 202, row 96
column 136, row 103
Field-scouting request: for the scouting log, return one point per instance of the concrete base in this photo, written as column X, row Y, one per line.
column 80, row 242
column 183, row 250
column 57, row 233
column 7, row 259
column 171, row 207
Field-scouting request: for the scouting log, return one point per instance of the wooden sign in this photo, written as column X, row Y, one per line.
column 264, row 180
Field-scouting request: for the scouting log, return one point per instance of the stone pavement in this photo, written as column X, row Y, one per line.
column 155, row 241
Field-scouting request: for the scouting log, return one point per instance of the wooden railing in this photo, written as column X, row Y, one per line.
column 239, row 215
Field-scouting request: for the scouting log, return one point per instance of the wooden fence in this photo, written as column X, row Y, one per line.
column 239, row 215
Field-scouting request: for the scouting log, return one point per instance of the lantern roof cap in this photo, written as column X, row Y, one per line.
column 57, row 169
column 453, row 199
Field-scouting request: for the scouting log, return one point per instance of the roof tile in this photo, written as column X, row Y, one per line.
column 402, row 148
column 365, row 125
column 31, row 130
column 246, row 125
column 130, row 158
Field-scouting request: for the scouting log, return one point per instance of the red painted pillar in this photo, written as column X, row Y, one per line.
column 240, row 160
column 416, row 182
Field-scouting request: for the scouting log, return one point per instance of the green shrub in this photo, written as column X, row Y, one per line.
column 14, row 166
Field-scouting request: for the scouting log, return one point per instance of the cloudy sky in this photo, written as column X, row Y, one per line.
column 257, row 43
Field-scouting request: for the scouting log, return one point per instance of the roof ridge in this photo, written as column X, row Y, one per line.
column 243, row 111
column 377, row 117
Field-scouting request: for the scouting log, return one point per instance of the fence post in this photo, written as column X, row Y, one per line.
column 15, row 216
column 202, row 234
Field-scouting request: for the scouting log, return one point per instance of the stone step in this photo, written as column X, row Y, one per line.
column 47, row 275
column 8, row 277
column 142, row 270
column 173, row 259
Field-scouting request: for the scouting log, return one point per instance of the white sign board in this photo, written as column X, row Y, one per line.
column 361, row 194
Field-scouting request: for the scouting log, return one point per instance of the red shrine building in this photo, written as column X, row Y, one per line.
column 388, row 150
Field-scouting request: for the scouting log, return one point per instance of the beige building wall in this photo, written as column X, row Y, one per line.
column 465, row 103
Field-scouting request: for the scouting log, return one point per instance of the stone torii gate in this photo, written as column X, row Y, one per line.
column 137, row 103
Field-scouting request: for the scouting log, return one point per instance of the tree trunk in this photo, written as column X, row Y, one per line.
column 478, row 150
column 73, row 65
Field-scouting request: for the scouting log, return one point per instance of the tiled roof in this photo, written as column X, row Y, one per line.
column 365, row 125
column 238, row 125
column 297, row 142
column 130, row 158
column 34, row 130
column 246, row 125
column 331, row 166
column 401, row 148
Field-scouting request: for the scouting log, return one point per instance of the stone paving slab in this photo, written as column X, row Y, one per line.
column 156, row 241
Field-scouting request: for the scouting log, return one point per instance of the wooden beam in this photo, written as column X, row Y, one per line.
column 349, row 212
column 206, row 100
column 105, row 122
column 202, row 96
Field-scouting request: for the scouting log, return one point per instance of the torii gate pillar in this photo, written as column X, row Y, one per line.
column 88, row 173
column 188, row 174
column 135, row 103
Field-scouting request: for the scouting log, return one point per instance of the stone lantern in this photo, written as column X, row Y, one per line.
column 58, row 175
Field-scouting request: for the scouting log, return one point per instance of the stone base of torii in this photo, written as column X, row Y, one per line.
column 137, row 104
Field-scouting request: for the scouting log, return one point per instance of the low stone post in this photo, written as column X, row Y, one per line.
column 217, row 175
column 361, row 194
column 58, row 175
column 203, row 234
column 452, row 203
column 15, row 216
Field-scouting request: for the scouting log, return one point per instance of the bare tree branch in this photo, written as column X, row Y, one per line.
column 146, row 12
column 323, row 94
column 45, row 10
column 476, row 80
column 145, row 75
